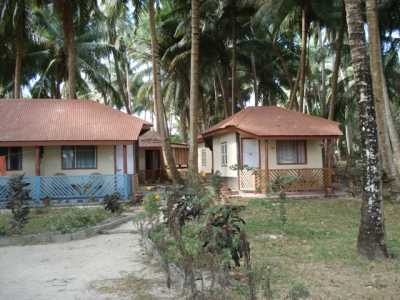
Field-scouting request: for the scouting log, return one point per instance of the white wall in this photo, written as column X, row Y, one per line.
column 208, row 167
column 51, row 162
column 230, row 139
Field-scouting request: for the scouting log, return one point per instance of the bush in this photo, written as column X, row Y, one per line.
column 18, row 202
column 112, row 203
column 77, row 218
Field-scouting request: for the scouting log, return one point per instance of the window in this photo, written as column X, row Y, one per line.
column 291, row 152
column 79, row 157
column 13, row 158
column 224, row 154
column 203, row 157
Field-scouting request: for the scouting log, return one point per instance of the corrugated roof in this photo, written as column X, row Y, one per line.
column 151, row 138
column 272, row 121
column 45, row 120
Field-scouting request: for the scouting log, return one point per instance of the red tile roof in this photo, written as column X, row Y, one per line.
column 50, row 121
column 152, row 139
column 272, row 121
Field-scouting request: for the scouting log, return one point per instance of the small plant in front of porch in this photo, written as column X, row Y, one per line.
column 112, row 203
column 279, row 185
column 18, row 203
column 216, row 184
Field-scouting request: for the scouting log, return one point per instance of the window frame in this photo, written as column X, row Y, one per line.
column 74, row 162
column 8, row 149
column 297, row 143
column 224, row 154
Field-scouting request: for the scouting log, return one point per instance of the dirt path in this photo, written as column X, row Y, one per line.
column 110, row 266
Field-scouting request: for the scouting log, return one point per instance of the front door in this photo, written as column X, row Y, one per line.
column 153, row 164
column 250, row 162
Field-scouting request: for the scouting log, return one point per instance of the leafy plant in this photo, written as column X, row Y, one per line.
column 112, row 203
column 216, row 183
column 77, row 218
column 18, row 202
column 152, row 205
column 223, row 232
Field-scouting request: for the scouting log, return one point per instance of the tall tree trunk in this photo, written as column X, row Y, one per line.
column 336, row 68
column 371, row 238
column 194, row 90
column 224, row 93
column 303, row 55
column 118, row 72
column 254, row 71
column 323, row 77
column 293, row 93
column 233, row 83
column 65, row 10
column 19, row 45
column 158, row 105
column 382, row 101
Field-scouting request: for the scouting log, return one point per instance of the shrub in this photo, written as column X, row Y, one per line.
column 18, row 202
column 216, row 183
column 77, row 218
column 112, row 203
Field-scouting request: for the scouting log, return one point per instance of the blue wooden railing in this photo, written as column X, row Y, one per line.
column 71, row 189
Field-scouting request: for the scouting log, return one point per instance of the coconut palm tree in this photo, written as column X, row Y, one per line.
column 371, row 239
column 194, row 88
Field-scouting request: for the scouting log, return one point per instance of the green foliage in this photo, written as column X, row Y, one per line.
column 112, row 203
column 18, row 202
column 152, row 205
column 216, row 183
column 298, row 291
column 222, row 232
column 75, row 219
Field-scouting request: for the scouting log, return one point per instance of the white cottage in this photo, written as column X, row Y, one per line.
column 258, row 144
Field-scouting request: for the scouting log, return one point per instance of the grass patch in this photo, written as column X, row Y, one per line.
column 64, row 220
column 317, row 246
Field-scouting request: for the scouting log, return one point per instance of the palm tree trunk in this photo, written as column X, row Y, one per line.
column 384, row 115
column 371, row 238
column 159, row 109
column 254, row 71
column 336, row 68
column 233, row 92
column 224, row 93
column 19, row 45
column 65, row 10
column 293, row 92
column 303, row 55
column 194, row 90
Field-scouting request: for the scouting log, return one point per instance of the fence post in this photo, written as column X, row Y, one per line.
column 36, row 188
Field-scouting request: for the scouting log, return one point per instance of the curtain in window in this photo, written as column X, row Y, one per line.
column 68, row 157
column 291, row 152
column 85, row 157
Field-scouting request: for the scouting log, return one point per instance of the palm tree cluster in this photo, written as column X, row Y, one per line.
column 191, row 64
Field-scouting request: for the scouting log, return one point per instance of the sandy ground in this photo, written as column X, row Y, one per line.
column 109, row 266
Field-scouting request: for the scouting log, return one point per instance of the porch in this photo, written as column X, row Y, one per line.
column 306, row 163
column 301, row 180
column 71, row 189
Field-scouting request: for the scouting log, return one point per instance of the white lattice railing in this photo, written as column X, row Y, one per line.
column 71, row 188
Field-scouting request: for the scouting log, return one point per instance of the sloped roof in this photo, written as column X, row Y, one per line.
column 272, row 121
column 151, row 138
column 50, row 121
